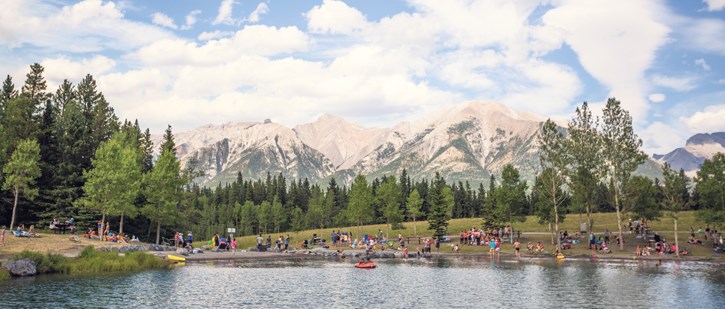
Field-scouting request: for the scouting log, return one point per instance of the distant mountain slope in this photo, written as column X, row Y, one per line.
column 468, row 142
column 698, row 148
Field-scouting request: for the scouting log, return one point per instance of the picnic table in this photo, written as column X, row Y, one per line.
column 60, row 228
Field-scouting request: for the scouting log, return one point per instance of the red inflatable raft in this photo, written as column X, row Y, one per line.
column 367, row 264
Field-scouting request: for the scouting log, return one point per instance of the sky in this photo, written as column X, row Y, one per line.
column 187, row 63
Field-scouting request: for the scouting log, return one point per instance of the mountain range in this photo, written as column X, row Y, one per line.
column 698, row 148
column 468, row 142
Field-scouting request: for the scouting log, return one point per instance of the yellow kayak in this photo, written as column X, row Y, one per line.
column 175, row 258
column 560, row 256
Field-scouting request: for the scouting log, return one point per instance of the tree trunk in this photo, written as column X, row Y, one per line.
column 619, row 219
column 158, row 231
column 415, row 231
column 677, row 244
column 556, row 216
column 120, row 226
column 16, row 191
column 551, row 233
column 589, row 218
column 103, row 224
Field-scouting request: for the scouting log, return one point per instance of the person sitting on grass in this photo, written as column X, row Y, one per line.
column 530, row 247
column 604, row 248
column 539, row 248
column 456, row 248
column 93, row 235
column 692, row 240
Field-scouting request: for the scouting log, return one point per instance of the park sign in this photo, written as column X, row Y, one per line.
column 231, row 230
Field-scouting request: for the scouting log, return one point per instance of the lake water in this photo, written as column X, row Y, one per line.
column 465, row 282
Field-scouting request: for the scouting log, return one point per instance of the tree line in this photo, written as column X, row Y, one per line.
column 66, row 154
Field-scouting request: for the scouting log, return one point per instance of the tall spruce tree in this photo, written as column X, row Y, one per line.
column 441, row 204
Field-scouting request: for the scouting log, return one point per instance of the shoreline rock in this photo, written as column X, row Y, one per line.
column 21, row 268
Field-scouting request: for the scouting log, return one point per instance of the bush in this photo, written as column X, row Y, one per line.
column 91, row 261
column 4, row 275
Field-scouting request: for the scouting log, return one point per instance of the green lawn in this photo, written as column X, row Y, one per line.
column 602, row 221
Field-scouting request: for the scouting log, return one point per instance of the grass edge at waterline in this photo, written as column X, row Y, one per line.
column 91, row 261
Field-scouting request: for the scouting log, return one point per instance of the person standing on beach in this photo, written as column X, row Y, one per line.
column 517, row 247
column 2, row 235
column 286, row 243
column 259, row 242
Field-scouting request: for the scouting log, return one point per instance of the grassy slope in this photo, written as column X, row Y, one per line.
column 602, row 222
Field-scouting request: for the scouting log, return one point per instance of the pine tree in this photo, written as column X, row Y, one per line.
column 441, row 204
column 8, row 93
column 35, row 87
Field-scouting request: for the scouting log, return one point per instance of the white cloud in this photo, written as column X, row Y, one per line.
column 87, row 26
column 214, row 35
column 60, row 68
column 714, row 5
column 681, row 84
column 615, row 53
column 701, row 63
column 708, row 120
column 335, row 17
column 225, row 13
column 657, row 97
column 258, row 40
column 255, row 16
column 661, row 138
column 703, row 35
column 163, row 20
column 190, row 20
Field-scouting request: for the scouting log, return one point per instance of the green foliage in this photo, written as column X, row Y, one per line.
column 21, row 172
column 162, row 188
column 91, row 261
column 441, row 203
column 711, row 190
column 388, row 195
column 359, row 209
column 548, row 197
column 113, row 184
column 4, row 275
column 621, row 154
column 413, row 206
column 641, row 197
column 510, row 197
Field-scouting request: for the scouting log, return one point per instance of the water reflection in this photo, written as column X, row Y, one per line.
column 464, row 282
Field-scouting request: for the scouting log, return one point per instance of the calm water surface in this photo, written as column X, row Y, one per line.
column 447, row 283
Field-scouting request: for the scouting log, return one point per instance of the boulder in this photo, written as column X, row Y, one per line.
column 182, row 251
column 22, row 268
